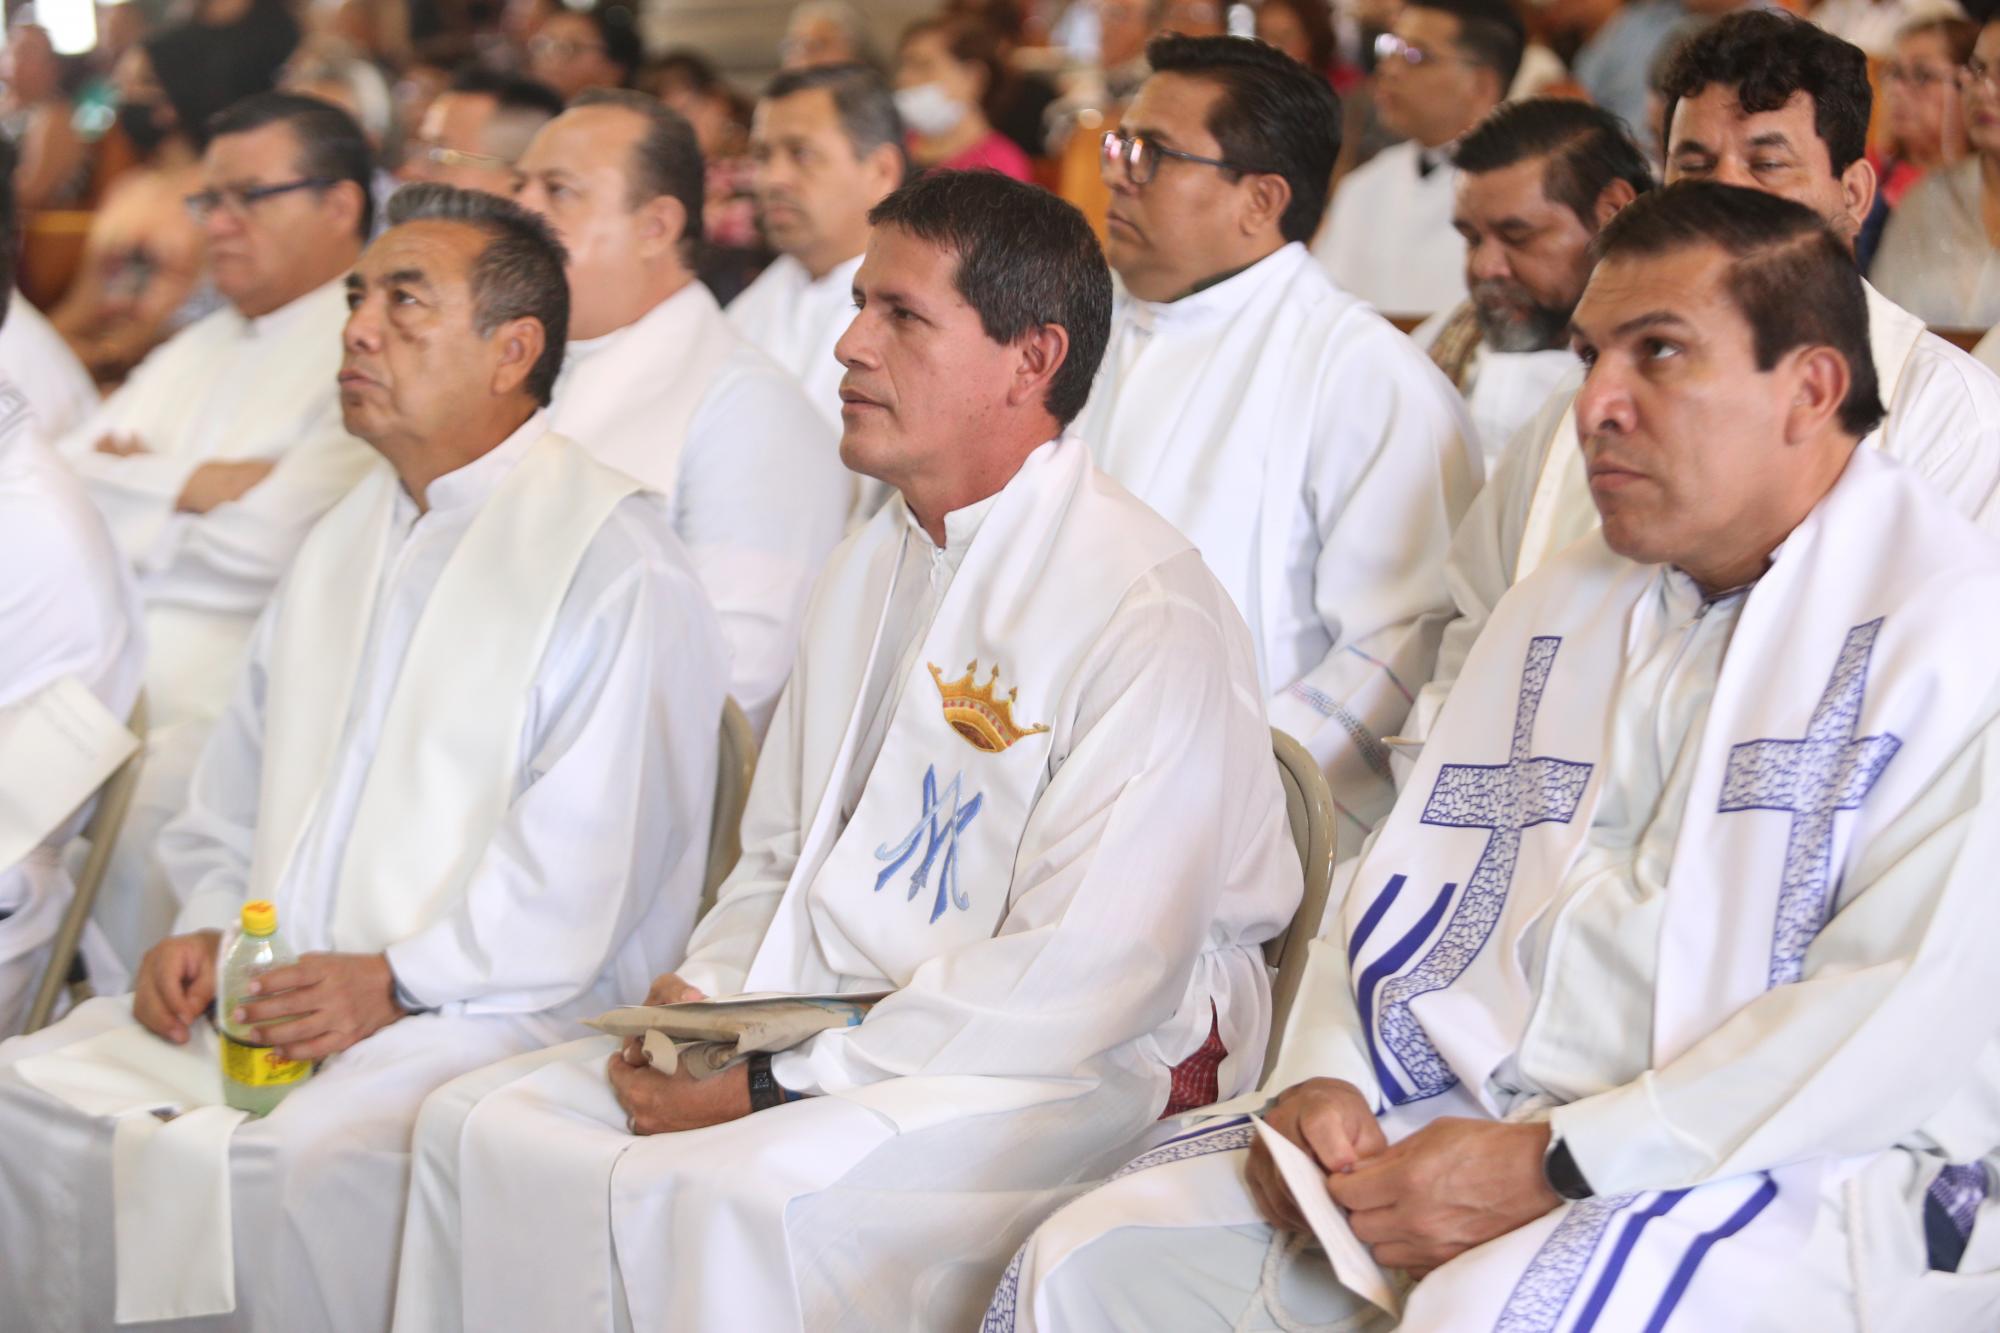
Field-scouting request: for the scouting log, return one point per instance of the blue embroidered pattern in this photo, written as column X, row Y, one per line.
column 1813, row 779
column 1507, row 798
column 1225, row 1137
column 936, row 835
column 1960, row 1190
column 1551, row 1278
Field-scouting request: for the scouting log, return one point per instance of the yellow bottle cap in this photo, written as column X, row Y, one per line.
column 260, row 917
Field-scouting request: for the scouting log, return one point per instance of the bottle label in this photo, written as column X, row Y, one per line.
column 257, row 1067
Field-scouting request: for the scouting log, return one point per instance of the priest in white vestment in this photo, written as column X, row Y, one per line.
column 660, row 385
column 44, row 371
column 1537, row 179
column 214, row 459
column 1314, row 456
column 471, row 760
column 1388, row 238
column 72, row 647
column 1663, row 1001
column 1943, row 406
column 1021, row 780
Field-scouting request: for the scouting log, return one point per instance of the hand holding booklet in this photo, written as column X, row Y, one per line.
column 709, row 1036
column 1352, row 1263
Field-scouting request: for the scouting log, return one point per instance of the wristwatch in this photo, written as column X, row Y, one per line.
column 765, row 1090
column 1559, row 1168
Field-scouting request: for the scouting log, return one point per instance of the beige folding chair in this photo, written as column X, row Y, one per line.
column 736, row 760
column 114, row 798
column 1309, row 807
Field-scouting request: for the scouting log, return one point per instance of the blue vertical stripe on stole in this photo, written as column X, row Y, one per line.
column 1380, row 971
column 1684, row 1274
column 1614, row 1267
column 1373, row 916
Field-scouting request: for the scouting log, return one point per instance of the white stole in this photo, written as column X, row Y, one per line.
column 927, row 861
column 57, row 746
column 1852, row 678
column 443, row 772
column 1562, row 490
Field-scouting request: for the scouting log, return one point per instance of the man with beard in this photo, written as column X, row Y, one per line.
column 1537, row 180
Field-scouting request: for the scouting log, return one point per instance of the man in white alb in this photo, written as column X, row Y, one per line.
column 1020, row 779
column 217, row 455
column 658, row 383
column 1537, row 179
column 1803, row 135
column 72, row 648
column 471, row 760
column 827, row 146
column 1664, row 999
column 1388, row 239
column 1313, row 454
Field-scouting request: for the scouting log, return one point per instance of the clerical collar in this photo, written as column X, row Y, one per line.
column 960, row 526
column 477, row 480
column 1225, row 292
column 681, row 305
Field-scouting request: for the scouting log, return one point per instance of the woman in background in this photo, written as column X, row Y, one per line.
column 943, row 70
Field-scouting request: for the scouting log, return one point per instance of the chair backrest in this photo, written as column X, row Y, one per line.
column 736, row 760
column 1309, row 807
column 114, row 798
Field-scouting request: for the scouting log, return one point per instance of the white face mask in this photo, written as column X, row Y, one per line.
column 929, row 109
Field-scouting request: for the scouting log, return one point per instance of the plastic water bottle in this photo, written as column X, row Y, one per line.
column 253, row 1079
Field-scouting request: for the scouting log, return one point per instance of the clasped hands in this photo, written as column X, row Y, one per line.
column 657, row 1103
column 316, row 1007
column 1454, row 1184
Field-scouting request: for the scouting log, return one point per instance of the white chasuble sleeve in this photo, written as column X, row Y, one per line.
column 1124, row 873
column 1888, row 1037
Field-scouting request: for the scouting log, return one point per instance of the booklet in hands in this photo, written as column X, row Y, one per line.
column 709, row 1036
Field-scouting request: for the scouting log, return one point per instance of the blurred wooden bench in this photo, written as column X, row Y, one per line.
column 51, row 254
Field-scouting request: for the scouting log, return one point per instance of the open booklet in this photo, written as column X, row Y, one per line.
column 709, row 1036
column 1352, row 1263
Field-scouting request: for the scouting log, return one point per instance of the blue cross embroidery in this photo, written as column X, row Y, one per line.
column 1525, row 791
column 1812, row 779
column 937, row 835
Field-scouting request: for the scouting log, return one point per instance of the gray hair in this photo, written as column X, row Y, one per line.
column 861, row 98
column 518, row 275
column 666, row 161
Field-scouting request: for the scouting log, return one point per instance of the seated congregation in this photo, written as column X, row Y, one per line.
column 1622, row 834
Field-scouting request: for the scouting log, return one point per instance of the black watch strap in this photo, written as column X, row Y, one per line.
column 765, row 1091
column 1559, row 1168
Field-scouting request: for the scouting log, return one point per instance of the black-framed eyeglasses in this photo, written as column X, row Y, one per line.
column 1140, row 157
column 239, row 200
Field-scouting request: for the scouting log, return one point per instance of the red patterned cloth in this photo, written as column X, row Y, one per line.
column 1196, row 1078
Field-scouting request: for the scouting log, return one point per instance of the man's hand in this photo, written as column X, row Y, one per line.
column 322, row 1004
column 176, row 982
column 1332, row 1121
column 214, row 484
column 1450, row 1186
column 657, row 1103
column 670, row 989
column 121, row 446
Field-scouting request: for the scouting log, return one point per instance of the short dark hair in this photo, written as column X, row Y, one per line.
column 1769, row 57
column 1490, row 34
column 518, row 275
column 1274, row 116
column 510, row 92
column 1026, row 260
column 1792, row 279
column 619, row 32
column 331, row 146
column 1586, row 148
column 666, row 160
column 866, row 106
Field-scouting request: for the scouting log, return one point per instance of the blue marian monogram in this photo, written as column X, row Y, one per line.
column 937, row 829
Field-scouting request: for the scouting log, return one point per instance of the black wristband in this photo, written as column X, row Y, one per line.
column 765, row 1091
column 1565, row 1177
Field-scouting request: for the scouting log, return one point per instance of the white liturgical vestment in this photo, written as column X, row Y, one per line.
column 69, row 617
column 1388, row 237
column 225, row 389
column 1502, row 390
column 40, row 366
column 1318, row 461
column 795, row 319
column 1718, row 913
column 506, row 707
column 1026, row 787
column 679, row 400
column 1943, row 420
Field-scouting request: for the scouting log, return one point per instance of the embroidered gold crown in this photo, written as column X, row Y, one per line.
column 976, row 713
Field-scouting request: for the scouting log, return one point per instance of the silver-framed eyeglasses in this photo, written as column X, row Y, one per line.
column 1139, row 157
column 439, row 156
column 240, row 199
column 1388, row 47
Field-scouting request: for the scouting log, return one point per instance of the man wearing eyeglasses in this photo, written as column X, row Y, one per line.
column 578, row 49
column 225, row 445
column 1312, row 453
column 476, row 130
column 1389, row 238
